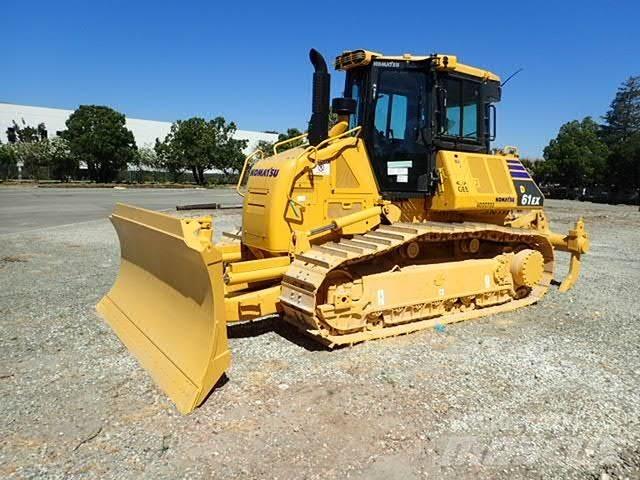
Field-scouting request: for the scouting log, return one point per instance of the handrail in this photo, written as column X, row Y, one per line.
column 288, row 140
column 326, row 141
column 312, row 148
column 244, row 168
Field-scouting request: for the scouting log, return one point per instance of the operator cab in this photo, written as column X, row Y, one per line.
column 410, row 107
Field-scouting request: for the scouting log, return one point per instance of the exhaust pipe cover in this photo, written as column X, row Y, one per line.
column 319, row 122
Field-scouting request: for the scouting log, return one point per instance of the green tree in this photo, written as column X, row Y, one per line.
column 39, row 154
column 8, row 161
column 529, row 163
column 63, row 165
column 622, row 133
column 624, row 163
column 188, row 146
column 145, row 159
column 42, row 131
column 291, row 133
column 175, row 167
column 26, row 133
column 33, row 156
column 98, row 135
column 576, row 157
column 266, row 147
column 623, row 118
column 231, row 156
column 198, row 145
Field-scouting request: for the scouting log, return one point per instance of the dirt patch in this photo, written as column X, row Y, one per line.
column 14, row 259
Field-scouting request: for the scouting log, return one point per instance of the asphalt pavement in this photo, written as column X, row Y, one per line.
column 30, row 208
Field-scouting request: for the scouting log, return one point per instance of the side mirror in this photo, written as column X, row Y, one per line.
column 344, row 106
column 491, row 91
column 492, row 116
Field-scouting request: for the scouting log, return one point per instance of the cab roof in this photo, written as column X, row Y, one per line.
column 359, row 58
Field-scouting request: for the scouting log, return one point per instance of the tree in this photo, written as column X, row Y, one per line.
column 199, row 145
column 576, row 157
column 623, row 118
column 146, row 157
column 231, row 156
column 42, row 131
column 175, row 167
column 33, row 156
column 622, row 133
column 32, row 147
column 266, row 147
column 98, row 135
column 27, row 145
column 63, row 165
column 291, row 133
column 529, row 163
column 624, row 164
column 7, row 160
column 189, row 144
column 26, row 133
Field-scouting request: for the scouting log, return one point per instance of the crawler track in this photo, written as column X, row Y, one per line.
column 304, row 287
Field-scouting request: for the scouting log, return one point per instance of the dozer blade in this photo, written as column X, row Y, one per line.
column 167, row 303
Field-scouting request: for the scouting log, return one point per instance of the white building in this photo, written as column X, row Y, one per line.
column 144, row 131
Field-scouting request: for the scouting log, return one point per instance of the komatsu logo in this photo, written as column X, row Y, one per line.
column 265, row 172
column 388, row 64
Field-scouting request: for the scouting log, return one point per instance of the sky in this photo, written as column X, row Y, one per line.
column 248, row 61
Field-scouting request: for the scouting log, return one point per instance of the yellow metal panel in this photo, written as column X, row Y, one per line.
column 340, row 209
column 167, row 304
column 253, row 265
column 360, row 58
column 337, row 174
column 345, row 178
column 500, row 175
column 251, row 305
column 480, row 173
column 437, row 282
column 231, row 252
column 473, row 182
column 272, row 273
column 264, row 223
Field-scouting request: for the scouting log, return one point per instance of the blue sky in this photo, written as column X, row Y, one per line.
column 248, row 61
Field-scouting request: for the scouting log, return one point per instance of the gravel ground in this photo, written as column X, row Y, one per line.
column 549, row 391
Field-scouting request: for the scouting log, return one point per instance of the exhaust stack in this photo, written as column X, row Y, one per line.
column 319, row 122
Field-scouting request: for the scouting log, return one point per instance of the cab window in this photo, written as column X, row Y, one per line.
column 354, row 90
column 391, row 116
column 463, row 100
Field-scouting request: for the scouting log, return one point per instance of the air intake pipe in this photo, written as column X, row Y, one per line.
column 319, row 122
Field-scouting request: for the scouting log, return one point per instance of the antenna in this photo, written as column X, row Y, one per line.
column 511, row 76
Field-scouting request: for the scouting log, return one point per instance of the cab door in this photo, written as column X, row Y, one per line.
column 398, row 128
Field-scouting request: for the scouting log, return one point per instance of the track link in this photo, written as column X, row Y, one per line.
column 310, row 271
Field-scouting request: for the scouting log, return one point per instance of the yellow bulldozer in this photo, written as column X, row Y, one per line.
column 398, row 218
